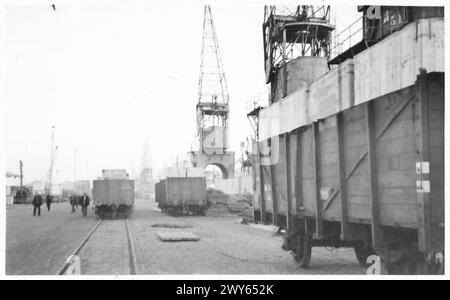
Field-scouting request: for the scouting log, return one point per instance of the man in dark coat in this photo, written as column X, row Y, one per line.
column 84, row 202
column 48, row 201
column 37, row 202
column 73, row 200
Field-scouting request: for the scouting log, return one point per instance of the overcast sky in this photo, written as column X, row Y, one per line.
column 107, row 76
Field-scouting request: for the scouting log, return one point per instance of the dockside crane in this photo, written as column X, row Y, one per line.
column 212, row 107
column 53, row 150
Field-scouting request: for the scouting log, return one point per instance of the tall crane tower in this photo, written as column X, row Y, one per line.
column 212, row 106
column 146, row 183
column 53, row 149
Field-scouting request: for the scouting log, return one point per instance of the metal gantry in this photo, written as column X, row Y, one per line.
column 212, row 106
column 290, row 32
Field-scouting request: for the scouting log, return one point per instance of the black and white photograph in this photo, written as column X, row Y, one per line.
column 222, row 139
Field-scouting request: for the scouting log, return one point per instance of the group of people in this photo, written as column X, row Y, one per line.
column 75, row 200
column 37, row 202
column 83, row 201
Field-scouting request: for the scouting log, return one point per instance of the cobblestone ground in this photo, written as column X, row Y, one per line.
column 40, row 245
column 106, row 253
column 225, row 247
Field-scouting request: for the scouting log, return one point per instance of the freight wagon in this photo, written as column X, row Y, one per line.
column 182, row 195
column 369, row 177
column 113, row 197
column 353, row 157
column 22, row 195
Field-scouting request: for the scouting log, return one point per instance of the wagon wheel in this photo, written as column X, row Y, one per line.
column 302, row 250
column 415, row 263
column 363, row 250
column 203, row 211
column 114, row 211
column 175, row 212
column 128, row 211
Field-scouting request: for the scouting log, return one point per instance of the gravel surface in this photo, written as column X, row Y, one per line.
column 40, row 245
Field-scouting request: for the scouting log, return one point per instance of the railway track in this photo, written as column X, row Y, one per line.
column 132, row 261
column 132, row 251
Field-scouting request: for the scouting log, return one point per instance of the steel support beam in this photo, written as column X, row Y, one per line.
column 298, row 173
column 287, row 140
column 341, row 177
column 274, row 189
column 423, row 157
column 316, row 161
column 373, row 193
column 261, row 188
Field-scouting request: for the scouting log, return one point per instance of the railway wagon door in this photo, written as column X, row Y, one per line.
column 126, row 192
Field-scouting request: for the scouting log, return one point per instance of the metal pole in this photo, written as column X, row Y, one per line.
column 21, row 175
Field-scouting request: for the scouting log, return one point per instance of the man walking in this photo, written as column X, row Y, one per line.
column 37, row 202
column 84, row 202
column 73, row 199
column 77, row 201
column 48, row 201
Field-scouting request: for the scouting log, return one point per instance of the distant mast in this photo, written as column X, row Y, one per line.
column 50, row 171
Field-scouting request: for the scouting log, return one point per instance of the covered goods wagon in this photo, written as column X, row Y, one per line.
column 113, row 196
column 355, row 157
column 182, row 195
column 369, row 177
